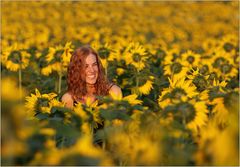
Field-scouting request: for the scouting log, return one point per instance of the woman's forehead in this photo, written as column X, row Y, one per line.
column 91, row 58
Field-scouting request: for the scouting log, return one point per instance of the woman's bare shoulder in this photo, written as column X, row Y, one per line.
column 115, row 91
column 67, row 98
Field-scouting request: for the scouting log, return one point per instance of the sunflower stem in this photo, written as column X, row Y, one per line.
column 59, row 82
column 137, row 81
column 103, row 145
column 106, row 69
column 184, row 120
column 62, row 143
column 92, row 129
column 20, row 80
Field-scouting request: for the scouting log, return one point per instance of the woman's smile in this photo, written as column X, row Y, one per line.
column 91, row 76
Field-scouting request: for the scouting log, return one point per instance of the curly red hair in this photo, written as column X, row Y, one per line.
column 76, row 74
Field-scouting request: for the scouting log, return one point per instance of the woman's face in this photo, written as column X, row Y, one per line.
column 91, row 69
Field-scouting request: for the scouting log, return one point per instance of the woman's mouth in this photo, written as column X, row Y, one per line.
column 92, row 76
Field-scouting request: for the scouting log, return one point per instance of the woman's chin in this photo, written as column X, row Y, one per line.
column 91, row 82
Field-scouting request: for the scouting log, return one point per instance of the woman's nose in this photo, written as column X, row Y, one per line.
column 90, row 69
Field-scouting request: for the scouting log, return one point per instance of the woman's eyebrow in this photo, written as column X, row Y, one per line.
column 92, row 63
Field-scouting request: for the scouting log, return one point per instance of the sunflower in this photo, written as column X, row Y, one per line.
column 171, row 55
column 229, row 43
column 58, row 59
column 179, row 90
column 132, row 99
column 200, row 118
column 220, row 111
column 144, row 88
column 136, row 55
column 120, row 71
column 40, row 103
column 205, row 66
column 88, row 113
column 190, row 59
column 15, row 58
column 191, row 113
column 199, row 80
column 115, row 53
column 175, row 68
column 224, row 65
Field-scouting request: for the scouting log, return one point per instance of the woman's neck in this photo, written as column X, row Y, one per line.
column 90, row 89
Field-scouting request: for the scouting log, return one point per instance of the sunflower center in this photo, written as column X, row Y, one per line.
column 186, row 111
column 41, row 102
column 177, row 93
column 228, row 47
column 204, row 69
column 190, row 59
column 213, row 76
column 200, row 82
column 226, row 68
column 15, row 57
column 104, row 53
column 58, row 55
column 219, row 61
column 230, row 101
column 136, row 57
column 176, row 68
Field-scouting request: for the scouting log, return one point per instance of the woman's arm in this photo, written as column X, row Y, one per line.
column 67, row 99
column 115, row 92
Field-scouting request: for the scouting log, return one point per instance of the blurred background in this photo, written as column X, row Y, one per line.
column 177, row 64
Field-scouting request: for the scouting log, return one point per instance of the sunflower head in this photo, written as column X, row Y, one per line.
column 198, row 79
column 204, row 69
column 185, row 112
column 39, row 103
column 192, row 114
column 229, row 44
column 176, row 69
column 104, row 51
column 224, row 65
column 219, row 61
column 180, row 90
column 228, row 47
column 57, row 59
column 15, row 58
column 144, row 86
column 190, row 58
column 136, row 55
column 200, row 82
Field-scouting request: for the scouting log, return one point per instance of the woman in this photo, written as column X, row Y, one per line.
column 86, row 78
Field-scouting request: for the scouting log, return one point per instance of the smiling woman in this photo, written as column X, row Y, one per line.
column 86, row 78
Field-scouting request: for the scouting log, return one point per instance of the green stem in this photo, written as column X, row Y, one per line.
column 92, row 129
column 103, row 145
column 20, row 80
column 184, row 119
column 59, row 82
column 137, row 81
column 62, row 143
column 106, row 69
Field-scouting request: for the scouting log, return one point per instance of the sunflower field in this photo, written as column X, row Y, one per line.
column 177, row 64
